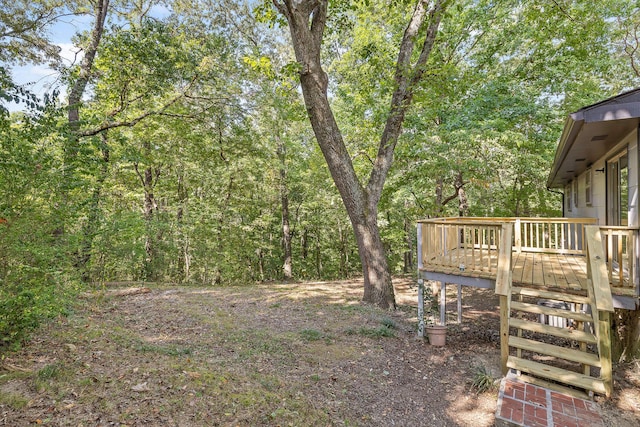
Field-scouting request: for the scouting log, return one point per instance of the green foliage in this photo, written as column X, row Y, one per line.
column 388, row 323
column 311, row 335
column 203, row 104
column 49, row 372
column 385, row 330
column 483, row 381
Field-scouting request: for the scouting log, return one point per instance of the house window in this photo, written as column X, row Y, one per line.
column 575, row 192
column 587, row 187
column 568, row 197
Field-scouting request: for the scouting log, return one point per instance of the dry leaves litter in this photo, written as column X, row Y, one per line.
column 272, row 354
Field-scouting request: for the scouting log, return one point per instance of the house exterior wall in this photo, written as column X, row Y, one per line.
column 598, row 206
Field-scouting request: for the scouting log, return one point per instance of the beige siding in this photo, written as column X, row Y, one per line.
column 598, row 207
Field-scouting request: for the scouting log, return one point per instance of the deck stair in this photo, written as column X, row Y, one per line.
column 561, row 354
column 557, row 338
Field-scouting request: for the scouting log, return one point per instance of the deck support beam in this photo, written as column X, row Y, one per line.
column 443, row 303
column 420, row 308
column 459, row 303
column 505, row 309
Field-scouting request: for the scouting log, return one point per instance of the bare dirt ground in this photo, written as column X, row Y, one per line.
column 305, row 354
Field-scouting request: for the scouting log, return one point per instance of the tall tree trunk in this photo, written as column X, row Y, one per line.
column 76, row 90
column 304, row 242
column 408, row 254
column 626, row 336
column 307, row 21
column 287, row 262
column 318, row 256
column 148, row 179
column 71, row 147
column 93, row 218
column 184, row 257
column 344, row 254
column 463, row 203
column 439, row 202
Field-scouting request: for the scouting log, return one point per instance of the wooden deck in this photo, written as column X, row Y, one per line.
column 567, row 272
column 546, row 254
column 534, row 264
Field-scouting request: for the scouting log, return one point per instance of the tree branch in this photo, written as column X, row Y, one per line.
column 406, row 77
column 135, row 166
column 136, row 120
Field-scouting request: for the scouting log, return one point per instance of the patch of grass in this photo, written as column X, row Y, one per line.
column 379, row 332
column 167, row 351
column 311, row 335
column 14, row 401
column 389, row 323
column 50, row 378
column 49, row 372
column 13, row 375
column 355, row 308
column 483, row 381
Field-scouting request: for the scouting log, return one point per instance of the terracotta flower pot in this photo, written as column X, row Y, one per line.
column 437, row 335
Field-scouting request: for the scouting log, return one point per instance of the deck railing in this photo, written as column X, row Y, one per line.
column 550, row 235
column 620, row 246
column 460, row 245
column 471, row 244
column 468, row 243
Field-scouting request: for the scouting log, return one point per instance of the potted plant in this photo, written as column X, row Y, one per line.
column 436, row 333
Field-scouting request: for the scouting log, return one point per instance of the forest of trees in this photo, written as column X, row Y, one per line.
column 177, row 146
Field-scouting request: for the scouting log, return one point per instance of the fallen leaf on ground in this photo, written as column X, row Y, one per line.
column 141, row 387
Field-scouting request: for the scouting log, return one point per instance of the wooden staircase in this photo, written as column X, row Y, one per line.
column 553, row 338
column 559, row 353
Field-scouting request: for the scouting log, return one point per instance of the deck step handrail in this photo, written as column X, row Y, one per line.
column 599, row 291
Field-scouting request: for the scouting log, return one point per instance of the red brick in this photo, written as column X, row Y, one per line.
column 531, row 421
column 588, row 415
column 511, row 403
column 569, row 410
column 537, row 400
column 560, row 420
column 530, row 410
column 517, row 416
column 541, row 413
column 579, row 404
column 559, row 397
column 509, row 406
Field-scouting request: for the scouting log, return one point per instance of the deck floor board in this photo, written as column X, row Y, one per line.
column 537, row 269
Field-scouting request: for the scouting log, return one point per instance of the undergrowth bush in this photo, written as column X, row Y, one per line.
column 37, row 281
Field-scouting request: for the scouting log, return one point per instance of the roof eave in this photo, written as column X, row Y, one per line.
column 572, row 126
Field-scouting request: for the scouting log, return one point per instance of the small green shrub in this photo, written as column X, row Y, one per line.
column 311, row 335
column 379, row 332
column 483, row 381
column 49, row 372
column 389, row 323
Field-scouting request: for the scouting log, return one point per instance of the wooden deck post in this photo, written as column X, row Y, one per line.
column 505, row 309
column 600, row 291
column 420, row 308
column 517, row 235
column 420, row 248
column 443, row 303
column 459, row 303
column 503, row 288
column 606, row 369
